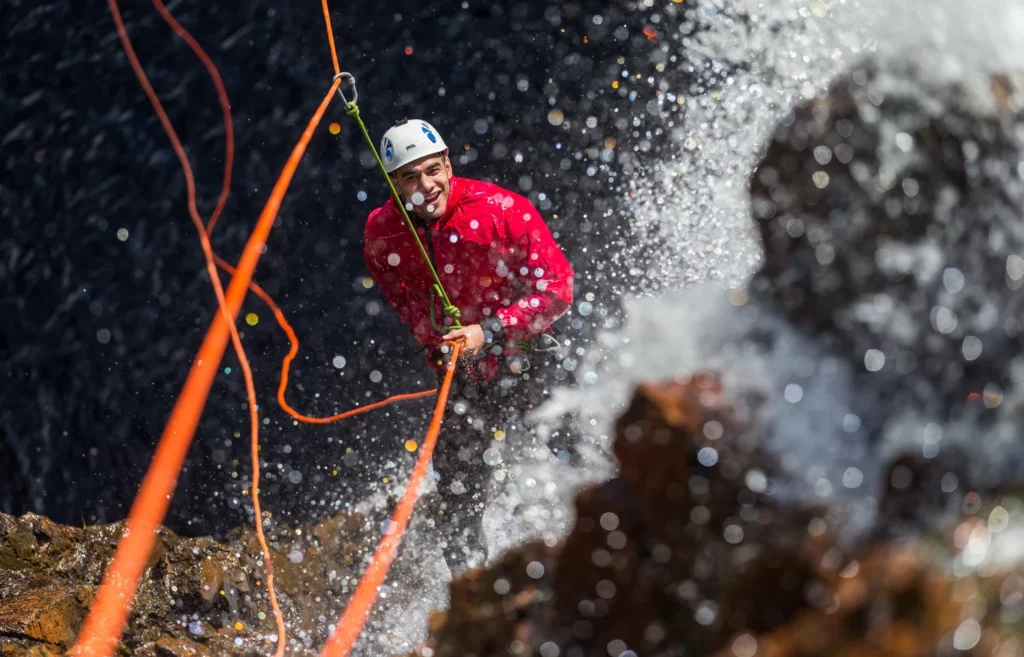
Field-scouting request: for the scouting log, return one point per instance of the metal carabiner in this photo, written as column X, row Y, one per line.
column 347, row 77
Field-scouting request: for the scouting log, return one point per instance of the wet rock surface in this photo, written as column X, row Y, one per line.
column 686, row 554
column 890, row 211
column 198, row 596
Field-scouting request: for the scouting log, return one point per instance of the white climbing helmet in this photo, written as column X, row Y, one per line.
column 409, row 141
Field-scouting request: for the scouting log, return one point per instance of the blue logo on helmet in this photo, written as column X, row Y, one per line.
column 429, row 134
column 389, row 150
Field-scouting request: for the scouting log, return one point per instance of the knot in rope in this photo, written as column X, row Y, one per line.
column 352, row 109
column 452, row 311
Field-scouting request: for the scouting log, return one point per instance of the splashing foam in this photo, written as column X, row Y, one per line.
column 698, row 205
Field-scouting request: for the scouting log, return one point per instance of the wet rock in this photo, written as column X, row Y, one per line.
column 703, row 562
column 669, row 557
column 47, row 614
column 198, row 596
column 890, row 214
column 173, row 648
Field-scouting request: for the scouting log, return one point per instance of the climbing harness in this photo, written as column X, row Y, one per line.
column 437, row 291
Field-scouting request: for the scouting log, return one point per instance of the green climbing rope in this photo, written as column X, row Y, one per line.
column 437, row 291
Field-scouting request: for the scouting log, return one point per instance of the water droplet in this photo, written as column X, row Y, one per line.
column 376, row 376
column 874, row 360
column 967, row 635
column 103, row 336
column 492, row 456
column 585, row 308
column 410, row 445
column 609, row 521
column 953, row 280
column 707, row 456
column 756, row 481
column 361, row 195
column 1015, row 267
column 744, row 646
column 706, row 613
column 904, row 142
column 943, row 319
column 417, row 198
column 971, row 348
column 252, row 319
column 394, row 259
column 555, row 117
column 122, row 234
column 535, row 569
column 733, row 534
column 853, row 478
column 339, row 362
column 295, row 556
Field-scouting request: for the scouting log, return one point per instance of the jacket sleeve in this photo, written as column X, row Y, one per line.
column 538, row 263
column 388, row 280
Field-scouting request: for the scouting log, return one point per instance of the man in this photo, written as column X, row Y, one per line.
column 500, row 265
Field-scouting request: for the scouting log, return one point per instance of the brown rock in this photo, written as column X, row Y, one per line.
column 50, row 615
column 49, row 574
column 168, row 647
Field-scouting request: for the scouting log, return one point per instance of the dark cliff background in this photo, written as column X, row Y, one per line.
column 98, row 332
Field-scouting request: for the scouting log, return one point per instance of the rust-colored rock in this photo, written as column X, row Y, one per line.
column 48, row 614
column 49, row 574
column 685, row 555
column 666, row 559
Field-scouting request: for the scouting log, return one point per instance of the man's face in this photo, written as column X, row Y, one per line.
column 426, row 184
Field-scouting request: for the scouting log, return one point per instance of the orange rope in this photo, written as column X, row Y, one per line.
column 354, row 617
column 290, row 356
column 103, row 626
column 225, row 106
column 250, row 387
column 330, row 37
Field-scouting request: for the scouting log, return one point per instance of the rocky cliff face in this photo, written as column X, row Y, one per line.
column 198, row 597
column 687, row 554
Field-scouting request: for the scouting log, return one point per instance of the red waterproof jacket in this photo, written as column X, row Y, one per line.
column 494, row 255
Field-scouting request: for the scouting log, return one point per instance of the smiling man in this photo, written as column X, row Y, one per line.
column 500, row 265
